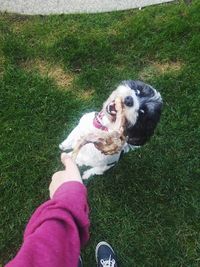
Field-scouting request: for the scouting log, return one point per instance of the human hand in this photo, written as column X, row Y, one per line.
column 71, row 173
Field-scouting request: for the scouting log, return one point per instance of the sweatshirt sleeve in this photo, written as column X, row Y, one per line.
column 57, row 230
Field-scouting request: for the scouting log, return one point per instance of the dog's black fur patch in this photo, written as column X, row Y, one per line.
column 149, row 113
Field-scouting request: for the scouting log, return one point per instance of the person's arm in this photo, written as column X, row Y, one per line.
column 59, row 227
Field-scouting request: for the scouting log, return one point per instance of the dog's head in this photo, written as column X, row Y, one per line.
column 142, row 108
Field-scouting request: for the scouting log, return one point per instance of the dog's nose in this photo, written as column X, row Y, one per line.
column 128, row 101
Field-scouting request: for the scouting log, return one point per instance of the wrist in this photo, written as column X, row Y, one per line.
column 68, row 189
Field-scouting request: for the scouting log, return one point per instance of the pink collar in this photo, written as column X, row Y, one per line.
column 97, row 122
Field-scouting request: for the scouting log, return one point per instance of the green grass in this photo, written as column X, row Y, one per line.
column 55, row 68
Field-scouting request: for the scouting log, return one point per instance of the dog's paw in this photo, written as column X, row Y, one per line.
column 62, row 147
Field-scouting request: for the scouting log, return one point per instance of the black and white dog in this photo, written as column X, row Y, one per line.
column 142, row 108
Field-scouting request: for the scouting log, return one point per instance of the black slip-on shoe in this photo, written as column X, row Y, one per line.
column 80, row 263
column 105, row 255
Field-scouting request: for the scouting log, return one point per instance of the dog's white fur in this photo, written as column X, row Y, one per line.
column 89, row 155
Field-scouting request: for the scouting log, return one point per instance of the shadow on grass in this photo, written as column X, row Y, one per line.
column 34, row 118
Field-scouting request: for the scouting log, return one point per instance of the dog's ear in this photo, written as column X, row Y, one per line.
column 148, row 117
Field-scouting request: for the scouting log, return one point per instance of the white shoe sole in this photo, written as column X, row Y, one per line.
column 100, row 244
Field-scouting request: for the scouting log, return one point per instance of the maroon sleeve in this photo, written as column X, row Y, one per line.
column 57, row 230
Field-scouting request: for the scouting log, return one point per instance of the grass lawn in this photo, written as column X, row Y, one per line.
column 55, row 68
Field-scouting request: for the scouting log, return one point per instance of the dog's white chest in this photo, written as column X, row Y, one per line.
column 90, row 156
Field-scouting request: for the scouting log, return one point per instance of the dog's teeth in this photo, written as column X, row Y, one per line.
column 112, row 103
column 111, row 108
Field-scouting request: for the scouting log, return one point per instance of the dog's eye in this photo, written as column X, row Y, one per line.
column 142, row 111
column 137, row 92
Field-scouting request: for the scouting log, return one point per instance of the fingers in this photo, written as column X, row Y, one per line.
column 70, row 166
column 66, row 160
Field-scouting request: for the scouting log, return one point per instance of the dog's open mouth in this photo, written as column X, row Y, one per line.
column 111, row 110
